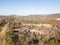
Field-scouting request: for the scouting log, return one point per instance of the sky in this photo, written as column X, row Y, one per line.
column 28, row 7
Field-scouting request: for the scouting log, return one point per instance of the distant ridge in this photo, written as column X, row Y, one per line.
column 57, row 15
column 54, row 15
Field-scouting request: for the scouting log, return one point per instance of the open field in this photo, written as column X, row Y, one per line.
column 30, row 30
